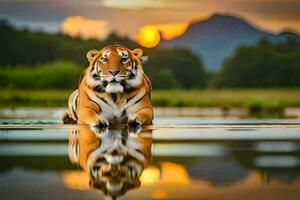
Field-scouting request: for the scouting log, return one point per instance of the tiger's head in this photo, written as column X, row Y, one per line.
column 115, row 69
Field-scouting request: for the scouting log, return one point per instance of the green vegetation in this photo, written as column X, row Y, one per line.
column 23, row 55
column 38, row 69
column 250, row 98
column 263, row 65
column 228, row 97
column 174, row 68
column 52, row 75
column 35, row 98
column 22, row 51
column 34, row 48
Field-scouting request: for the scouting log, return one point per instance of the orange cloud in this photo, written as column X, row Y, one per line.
column 85, row 27
column 148, row 35
column 170, row 31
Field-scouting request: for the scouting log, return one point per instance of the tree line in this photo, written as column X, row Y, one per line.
column 26, row 49
column 28, row 56
column 263, row 65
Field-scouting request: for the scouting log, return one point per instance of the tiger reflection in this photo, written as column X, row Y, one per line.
column 114, row 159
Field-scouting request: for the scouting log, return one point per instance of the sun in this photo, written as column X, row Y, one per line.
column 148, row 36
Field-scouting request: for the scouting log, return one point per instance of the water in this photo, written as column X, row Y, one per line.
column 176, row 158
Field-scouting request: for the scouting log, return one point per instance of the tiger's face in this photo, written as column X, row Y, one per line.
column 115, row 69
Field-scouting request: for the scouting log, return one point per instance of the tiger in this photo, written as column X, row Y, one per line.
column 114, row 159
column 113, row 89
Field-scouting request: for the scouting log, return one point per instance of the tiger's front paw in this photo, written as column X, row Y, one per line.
column 134, row 121
column 100, row 123
column 99, row 131
column 134, row 125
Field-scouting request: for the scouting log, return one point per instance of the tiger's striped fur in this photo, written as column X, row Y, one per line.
column 111, row 157
column 113, row 89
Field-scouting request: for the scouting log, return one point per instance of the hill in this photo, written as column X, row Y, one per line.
column 217, row 37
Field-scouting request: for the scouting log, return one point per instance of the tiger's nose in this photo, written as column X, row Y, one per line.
column 114, row 72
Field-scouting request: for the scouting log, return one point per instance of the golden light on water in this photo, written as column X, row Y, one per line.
column 174, row 173
column 78, row 180
column 148, row 36
column 150, row 175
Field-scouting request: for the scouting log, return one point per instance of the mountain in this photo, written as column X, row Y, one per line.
column 217, row 37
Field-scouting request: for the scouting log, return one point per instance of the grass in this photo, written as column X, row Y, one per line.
column 34, row 98
column 259, row 102
column 228, row 97
column 251, row 98
column 59, row 74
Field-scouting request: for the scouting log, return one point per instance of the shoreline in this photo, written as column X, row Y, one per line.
column 235, row 112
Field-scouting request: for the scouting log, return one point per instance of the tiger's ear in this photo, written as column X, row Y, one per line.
column 90, row 55
column 140, row 54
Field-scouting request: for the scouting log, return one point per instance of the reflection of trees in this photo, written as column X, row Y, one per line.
column 114, row 159
column 247, row 155
column 239, row 159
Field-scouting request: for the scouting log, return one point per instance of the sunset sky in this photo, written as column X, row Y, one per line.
column 97, row 18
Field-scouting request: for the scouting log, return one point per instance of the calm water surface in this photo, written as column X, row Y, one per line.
column 177, row 158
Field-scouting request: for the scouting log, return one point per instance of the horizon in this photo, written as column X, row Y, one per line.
column 98, row 18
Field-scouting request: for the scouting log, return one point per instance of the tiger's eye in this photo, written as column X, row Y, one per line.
column 103, row 59
column 123, row 60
